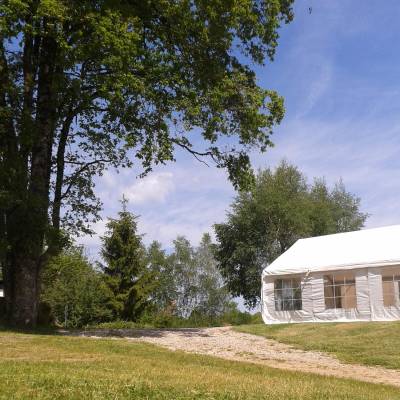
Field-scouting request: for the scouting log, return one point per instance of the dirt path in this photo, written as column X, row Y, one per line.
column 228, row 344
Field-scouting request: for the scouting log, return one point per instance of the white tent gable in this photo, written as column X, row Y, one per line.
column 369, row 247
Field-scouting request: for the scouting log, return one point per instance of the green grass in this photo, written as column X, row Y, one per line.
column 370, row 343
column 38, row 366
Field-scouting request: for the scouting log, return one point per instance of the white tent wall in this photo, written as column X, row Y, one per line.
column 361, row 270
column 378, row 310
column 368, row 291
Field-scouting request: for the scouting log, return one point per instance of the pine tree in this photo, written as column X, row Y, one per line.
column 126, row 272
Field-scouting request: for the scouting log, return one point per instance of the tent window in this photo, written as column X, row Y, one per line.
column 288, row 295
column 389, row 283
column 340, row 291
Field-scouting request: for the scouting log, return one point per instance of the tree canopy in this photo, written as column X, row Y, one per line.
column 266, row 220
column 85, row 85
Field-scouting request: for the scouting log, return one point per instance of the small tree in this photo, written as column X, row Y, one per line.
column 185, row 277
column 191, row 282
column 213, row 297
column 75, row 292
column 125, row 269
column 164, row 295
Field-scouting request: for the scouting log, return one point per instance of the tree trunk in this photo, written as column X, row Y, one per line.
column 27, row 222
column 22, row 293
column 21, row 266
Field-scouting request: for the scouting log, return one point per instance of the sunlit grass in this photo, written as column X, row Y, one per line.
column 370, row 343
column 55, row 367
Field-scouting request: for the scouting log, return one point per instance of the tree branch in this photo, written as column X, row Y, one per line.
column 80, row 171
column 194, row 153
column 60, row 165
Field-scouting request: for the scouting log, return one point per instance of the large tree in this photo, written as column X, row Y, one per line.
column 85, row 85
column 266, row 220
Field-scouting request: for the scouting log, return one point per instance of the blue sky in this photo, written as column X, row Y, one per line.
column 338, row 69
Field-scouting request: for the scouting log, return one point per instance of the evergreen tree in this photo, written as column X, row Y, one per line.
column 125, row 271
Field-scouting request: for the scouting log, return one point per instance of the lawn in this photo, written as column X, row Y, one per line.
column 370, row 343
column 39, row 366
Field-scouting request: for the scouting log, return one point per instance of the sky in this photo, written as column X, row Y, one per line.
column 338, row 69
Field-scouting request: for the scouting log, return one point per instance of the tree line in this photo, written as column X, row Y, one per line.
column 192, row 285
column 137, row 283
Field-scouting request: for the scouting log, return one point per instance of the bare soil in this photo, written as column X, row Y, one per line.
column 225, row 343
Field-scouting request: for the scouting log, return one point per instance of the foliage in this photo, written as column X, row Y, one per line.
column 164, row 319
column 266, row 220
column 164, row 293
column 213, row 296
column 369, row 343
column 74, row 290
column 82, row 368
column 139, row 287
column 334, row 211
column 188, row 281
column 88, row 85
column 125, row 272
column 230, row 316
column 185, row 275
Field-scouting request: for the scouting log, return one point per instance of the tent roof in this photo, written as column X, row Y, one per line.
column 368, row 247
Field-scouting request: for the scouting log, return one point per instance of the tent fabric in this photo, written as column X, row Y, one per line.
column 369, row 247
column 366, row 265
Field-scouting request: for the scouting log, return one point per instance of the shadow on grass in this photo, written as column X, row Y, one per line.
column 92, row 332
column 38, row 330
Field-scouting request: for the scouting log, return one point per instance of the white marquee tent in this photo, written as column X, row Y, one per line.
column 352, row 276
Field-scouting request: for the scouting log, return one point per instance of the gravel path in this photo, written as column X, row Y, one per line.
column 228, row 344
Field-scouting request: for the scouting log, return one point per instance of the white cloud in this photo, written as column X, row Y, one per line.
column 154, row 188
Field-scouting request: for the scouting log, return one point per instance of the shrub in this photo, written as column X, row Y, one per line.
column 75, row 292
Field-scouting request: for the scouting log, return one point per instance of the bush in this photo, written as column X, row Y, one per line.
column 74, row 291
column 167, row 320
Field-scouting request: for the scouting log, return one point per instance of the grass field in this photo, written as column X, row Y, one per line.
column 370, row 343
column 53, row 367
